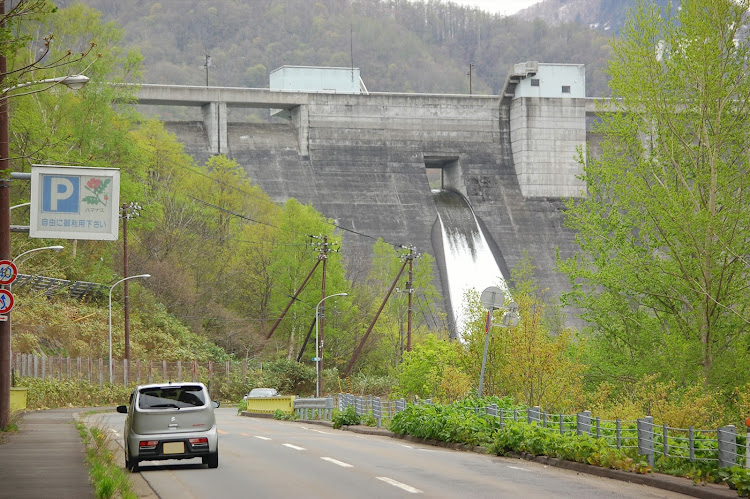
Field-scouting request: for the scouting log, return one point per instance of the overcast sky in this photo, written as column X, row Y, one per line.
column 505, row 7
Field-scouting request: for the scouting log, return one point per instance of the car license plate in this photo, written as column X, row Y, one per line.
column 173, row 448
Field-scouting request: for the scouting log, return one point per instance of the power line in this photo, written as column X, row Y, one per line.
column 262, row 198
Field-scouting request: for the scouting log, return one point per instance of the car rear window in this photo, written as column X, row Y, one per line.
column 171, row 397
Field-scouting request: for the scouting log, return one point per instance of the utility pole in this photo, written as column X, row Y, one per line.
column 471, row 67
column 4, row 236
column 410, row 290
column 323, row 256
column 208, row 63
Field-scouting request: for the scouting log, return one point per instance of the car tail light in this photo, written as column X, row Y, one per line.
column 198, row 441
column 148, row 444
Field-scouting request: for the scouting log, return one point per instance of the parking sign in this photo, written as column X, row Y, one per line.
column 70, row 202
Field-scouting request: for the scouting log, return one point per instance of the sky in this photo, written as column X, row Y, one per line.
column 505, row 7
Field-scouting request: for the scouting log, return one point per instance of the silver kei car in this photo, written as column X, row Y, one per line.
column 170, row 421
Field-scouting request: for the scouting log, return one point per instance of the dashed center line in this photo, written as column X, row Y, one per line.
column 400, row 485
column 294, row 447
column 222, row 432
column 335, row 461
column 262, row 438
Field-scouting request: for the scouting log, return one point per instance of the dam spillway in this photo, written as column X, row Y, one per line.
column 469, row 262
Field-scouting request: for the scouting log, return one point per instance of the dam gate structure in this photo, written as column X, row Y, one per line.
column 363, row 158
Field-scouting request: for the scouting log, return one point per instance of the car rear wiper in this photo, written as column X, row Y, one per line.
column 164, row 406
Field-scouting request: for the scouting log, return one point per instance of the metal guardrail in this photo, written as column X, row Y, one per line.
column 50, row 285
column 314, row 408
column 719, row 445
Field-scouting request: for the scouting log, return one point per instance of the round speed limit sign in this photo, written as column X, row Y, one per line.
column 8, row 272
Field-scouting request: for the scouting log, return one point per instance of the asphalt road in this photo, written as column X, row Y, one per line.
column 269, row 458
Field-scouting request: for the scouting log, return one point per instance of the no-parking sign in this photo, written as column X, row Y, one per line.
column 6, row 301
column 74, row 202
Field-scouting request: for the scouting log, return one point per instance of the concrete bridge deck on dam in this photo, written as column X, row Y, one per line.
column 362, row 160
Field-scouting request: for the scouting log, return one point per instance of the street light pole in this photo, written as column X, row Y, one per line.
column 318, row 352
column 53, row 248
column 110, row 317
column 129, row 210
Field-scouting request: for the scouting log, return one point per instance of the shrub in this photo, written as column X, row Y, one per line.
column 346, row 417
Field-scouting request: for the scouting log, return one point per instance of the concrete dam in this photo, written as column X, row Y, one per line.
column 363, row 159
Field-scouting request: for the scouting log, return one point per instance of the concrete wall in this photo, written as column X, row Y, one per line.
column 545, row 135
column 360, row 159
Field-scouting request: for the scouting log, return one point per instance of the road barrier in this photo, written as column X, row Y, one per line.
column 269, row 405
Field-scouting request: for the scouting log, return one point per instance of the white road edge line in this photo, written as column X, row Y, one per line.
column 335, row 461
column 316, row 430
column 400, row 485
column 262, row 438
column 517, row 468
column 294, row 447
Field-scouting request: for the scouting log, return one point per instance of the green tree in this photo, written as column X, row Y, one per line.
column 432, row 370
column 664, row 230
column 389, row 337
column 526, row 361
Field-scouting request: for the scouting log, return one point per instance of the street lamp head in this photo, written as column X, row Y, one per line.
column 511, row 317
column 56, row 248
column 75, row 82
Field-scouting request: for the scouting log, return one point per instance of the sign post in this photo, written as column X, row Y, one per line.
column 8, row 274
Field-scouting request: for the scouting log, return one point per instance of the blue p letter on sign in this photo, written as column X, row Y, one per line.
column 60, row 194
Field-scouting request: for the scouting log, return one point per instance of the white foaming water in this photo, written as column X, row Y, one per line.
column 469, row 262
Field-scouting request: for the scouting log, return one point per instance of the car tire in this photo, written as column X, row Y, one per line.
column 212, row 460
column 131, row 464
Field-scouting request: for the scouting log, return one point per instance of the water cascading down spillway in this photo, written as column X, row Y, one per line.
column 469, row 261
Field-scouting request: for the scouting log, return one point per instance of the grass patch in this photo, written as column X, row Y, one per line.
column 109, row 479
column 13, row 425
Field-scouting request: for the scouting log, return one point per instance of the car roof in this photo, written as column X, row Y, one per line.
column 171, row 384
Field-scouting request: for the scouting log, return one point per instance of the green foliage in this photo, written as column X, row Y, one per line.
column 50, row 393
column 347, row 417
column 458, row 422
column 241, row 406
column 289, row 377
column 738, row 478
column 424, row 373
column 427, row 43
column 533, row 439
column 109, row 479
column 369, row 420
column 663, row 230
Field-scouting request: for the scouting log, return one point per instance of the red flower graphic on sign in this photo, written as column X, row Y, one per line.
column 97, row 187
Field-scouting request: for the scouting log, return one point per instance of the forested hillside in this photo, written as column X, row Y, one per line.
column 604, row 15
column 399, row 45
